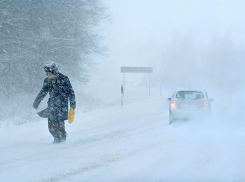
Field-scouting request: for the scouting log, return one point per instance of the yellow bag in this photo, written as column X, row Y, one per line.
column 71, row 115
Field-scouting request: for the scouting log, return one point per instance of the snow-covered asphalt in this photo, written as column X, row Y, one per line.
column 133, row 142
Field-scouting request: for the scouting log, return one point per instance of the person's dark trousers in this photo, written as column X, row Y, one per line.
column 57, row 129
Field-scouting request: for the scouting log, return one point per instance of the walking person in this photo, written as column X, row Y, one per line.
column 60, row 91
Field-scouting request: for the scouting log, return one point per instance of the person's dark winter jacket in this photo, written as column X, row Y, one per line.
column 60, row 90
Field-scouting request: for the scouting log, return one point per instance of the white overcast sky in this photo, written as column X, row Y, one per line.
column 141, row 28
column 159, row 19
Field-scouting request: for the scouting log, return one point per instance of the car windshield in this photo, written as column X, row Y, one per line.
column 189, row 95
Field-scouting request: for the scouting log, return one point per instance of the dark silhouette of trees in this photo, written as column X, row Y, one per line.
column 35, row 31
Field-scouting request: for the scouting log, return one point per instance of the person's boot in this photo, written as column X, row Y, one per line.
column 56, row 140
column 63, row 139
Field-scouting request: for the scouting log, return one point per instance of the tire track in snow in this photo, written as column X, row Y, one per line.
column 61, row 147
column 95, row 138
column 110, row 159
column 99, row 164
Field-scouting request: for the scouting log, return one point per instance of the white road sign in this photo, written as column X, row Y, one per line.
column 136, row 69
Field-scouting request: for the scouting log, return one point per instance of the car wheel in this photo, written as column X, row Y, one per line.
column 170, row 120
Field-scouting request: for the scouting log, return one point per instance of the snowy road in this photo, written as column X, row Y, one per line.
column 125, row 143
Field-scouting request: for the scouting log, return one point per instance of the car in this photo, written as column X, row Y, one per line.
column 188, row 103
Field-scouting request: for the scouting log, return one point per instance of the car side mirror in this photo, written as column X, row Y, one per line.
column 211, row 100
column 169, row 99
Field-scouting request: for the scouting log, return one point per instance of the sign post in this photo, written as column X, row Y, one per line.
column 122, row 94
column 136, row 70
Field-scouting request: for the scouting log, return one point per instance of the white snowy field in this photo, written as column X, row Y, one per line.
column 133, row 142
